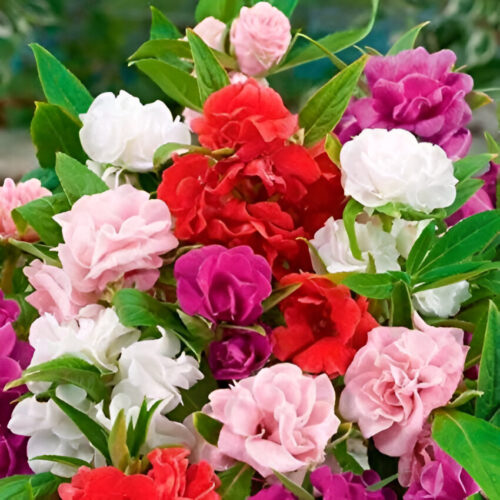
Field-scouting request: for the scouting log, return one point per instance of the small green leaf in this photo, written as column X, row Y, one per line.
column 164, row 153
column 493, row 146
column 420, row 248
column 278, row 295
column 407, row 41
column 401, row 306
column 476, row 99
column 467, row 167
column 464, row 398
column 491, row 281
column 42, row 252
column 200, row 333
column 210, row 75
column 44, row 485
column 332, row 148
column 117, row 442
column 465, row 191
column 62, row 459
column 46, row 176
column 351, row 211
column 139, row 434
column 294, row 488
column 59, row 85
column 236, row 482
column 346, row 461
column 324, row 109
column 225, row 10
column 161, row 26
column 208, row 428
column 375, row 286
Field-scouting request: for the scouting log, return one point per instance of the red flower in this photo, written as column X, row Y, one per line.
column 248, row 117
column 325, row 325
column 171, row 478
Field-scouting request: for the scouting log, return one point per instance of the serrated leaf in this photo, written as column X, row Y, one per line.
column 467, row 167
column 59, row 85
column 225, row 10
column 375, row 286
column 294, row 488
column 161, row 26
column 421, row 247
column 207, row 427
column 325, row 108
column 407, row 41
column 278, row 295
column 351, row 211
column 236, row 482
column 76, row 179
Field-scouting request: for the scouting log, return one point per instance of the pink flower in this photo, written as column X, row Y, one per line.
column 398, row 378
column 279, row 419
column 211, row 31
column 13, row 196
column 54, row 292
column 113, row 236
column 260, row 37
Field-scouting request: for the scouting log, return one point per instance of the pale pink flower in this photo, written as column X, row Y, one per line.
column 398, row 378
column 13, row 196
column 279, row 419
column 115, row 236
column 211, row 31
column 260, row 36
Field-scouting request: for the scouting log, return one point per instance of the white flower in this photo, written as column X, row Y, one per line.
column 442, row 302
column 125, row 133
column 383, row 166
column 99, row 339
column 406, row 234
column 148, row 369
column 112, row 176
column 52, row 432
column 332, row 244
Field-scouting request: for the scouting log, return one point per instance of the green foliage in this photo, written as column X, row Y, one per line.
column 420, row 248
column 29, row 487
column 236, row 482
column 42, row 252
column 401, row 306
column 161, row 26
column 117, row 442
column 279, row 294
column 138, row 433
column 407, row 41
column 345, row 459
column 296, row 489
column 467, row 167
column 225, row 10
column 207, row 427
column 47, row 177
column 376, row 286
column 64, row 460
column 351, row 211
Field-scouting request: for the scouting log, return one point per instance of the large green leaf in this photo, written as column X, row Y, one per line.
column 46, row 176
column 334, row 42
column 29, row 487
column 225, row 10
column 236, row 482
column 474, row 444
column 375, row 286
column 60, row 86
column 324, row 109
column 76, row 179
column 53, row 129
column 467, row 167
column 177, row 84
column 488, row 405
column 161, row 26
column 401, row 306
column 407, row 41
column 210, row 75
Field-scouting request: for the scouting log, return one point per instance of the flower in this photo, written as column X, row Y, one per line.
column 332, row 245
column 122, row 131
column 348, row 486
column 444, row 301
column 398, row 378
column 406, row 233
column 418, row 92
column 148, row 369
column 260, row 36
column 279, row 419
column 239, row 354
column 98, row 339
column 248, row 117
column 325, row 325
column 223, row 284
column 431, row 473
column 116, row 235
column 171, row 478
column 9, row 310
column 54, row 293
column 275, row 492
column 380, row 167
column 13, row 196
column 212, row 32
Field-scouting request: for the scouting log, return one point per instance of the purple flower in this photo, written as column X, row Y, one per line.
column 275, row 492
column 418, row 92
column 484, row 199
column 14, row 357
column 239, row 354
column 223, row 285
column 348, row 486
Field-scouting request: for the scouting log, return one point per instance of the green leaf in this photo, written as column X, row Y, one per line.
column 29, row 487
column 76, row 179
column 465, row 191
column 97, row 435
column 351, row 211
column 332, row 148
column 199, row 332
column 491, row 282
column 38, row 214
column 54, row 129
column 177, row 84
column 324, row 108
column 420, row 248
column 286, row 6
column 493, row 146
column 278, row 295
column 161, row 27
column 407, row 41
column 375, row 286
column 117, row 442
column 66, row 370
column 334, row 42
column 164, row 153
column 401, row 306
column 42, row 252
column 62, row 459
column 467, row 167
column 210, row 75
column 489, row 368
column 225, row 10
column 476, row 99
column 470, row 236
column 46, row 176
column 474, row 444
column 139, row 433
column 296, row 489
column 464, row 398
column 60, row 86
column 236, row 482
column 346, row 461
column 208, row 428
column 380, row 484
column 45, row 484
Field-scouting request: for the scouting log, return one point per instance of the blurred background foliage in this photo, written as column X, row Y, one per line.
column 94, row 37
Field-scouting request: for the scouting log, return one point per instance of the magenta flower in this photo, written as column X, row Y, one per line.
column 223, row 285
column 275, row 492
column 239, row 354
column 416, row 91
column 348, row 486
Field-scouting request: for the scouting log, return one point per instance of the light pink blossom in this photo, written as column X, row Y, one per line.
column 260, row 36
column 13, row 196
column 279, row 419
column 211, row 31
column 398, row 378
column 114, row 236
